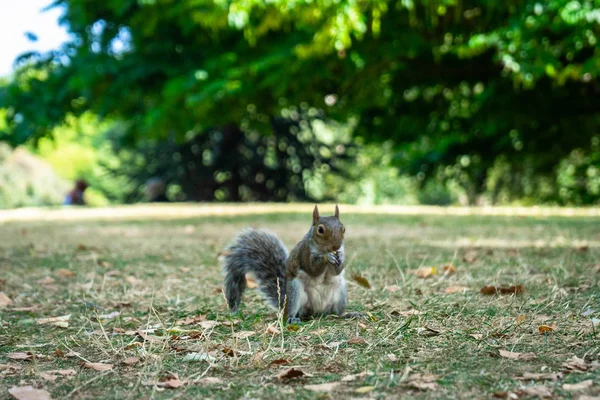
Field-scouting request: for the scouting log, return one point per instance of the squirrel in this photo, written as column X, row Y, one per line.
column 306, row 283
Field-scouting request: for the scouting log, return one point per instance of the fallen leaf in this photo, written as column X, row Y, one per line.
column 65, row 273
column 456, row 289
column 490, row 290
column 422, row 381
column 423, row 272
column 290, row 374
column 209, row 380
column 185, row 270
column 361, row 281
column 23, row 309
column 364, row 389
column 100, row 367
column 250, row 282
column 538, row 391
column 392, row 357
column 407, row 313
column 243, row 334
column 280, row 361
column 476, row 336
column 55, row 374
column 47, row 281
column 545, row 328
column 5, row 301
column 111, row 315
column 520, row 319
column 133, row 280
column 113, row 273
column 192, row 357
column 272, row 330
column 575, row 364
column 131, row 360
column 392, row 288
column 516, row 356
column 104, row 264
column 323, row 387
column 357, row 340
column 59, row 353
column 28, row 393
column 449, row 269
column 470, row 256
column 293, row 328
column 192, row 320
column 72, row 354
column 62, row 321
column 574, row 387
column 354, row 377
column 542, row 376
column 427, row 331
column 20, row 356
column 150, row 338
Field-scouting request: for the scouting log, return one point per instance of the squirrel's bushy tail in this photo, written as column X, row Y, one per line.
column 261, row 254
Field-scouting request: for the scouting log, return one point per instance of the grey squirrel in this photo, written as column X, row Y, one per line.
column 307, row 283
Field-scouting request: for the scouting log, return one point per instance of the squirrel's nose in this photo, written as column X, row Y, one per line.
column 335, row 247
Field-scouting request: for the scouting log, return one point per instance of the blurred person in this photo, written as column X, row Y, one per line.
column 75, row 196
column 156, row 190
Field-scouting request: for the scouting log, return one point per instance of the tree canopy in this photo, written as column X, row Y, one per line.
column 458, row 84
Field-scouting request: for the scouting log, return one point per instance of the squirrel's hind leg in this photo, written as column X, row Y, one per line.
column 296, row 301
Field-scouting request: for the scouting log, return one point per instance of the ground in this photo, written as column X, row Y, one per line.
column 142, row 287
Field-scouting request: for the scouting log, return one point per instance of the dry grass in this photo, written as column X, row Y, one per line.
column 138, row 277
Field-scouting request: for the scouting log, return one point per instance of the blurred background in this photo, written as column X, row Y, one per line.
column 357, row 101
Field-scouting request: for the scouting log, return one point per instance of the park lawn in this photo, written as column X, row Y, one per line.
column 144, row 295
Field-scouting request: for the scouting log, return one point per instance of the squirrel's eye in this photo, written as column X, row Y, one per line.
column 320, row 229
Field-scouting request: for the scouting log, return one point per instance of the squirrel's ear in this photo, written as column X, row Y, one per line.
column 337, row 211
column 316, row 215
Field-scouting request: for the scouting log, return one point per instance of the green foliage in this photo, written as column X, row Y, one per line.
column 459, row 87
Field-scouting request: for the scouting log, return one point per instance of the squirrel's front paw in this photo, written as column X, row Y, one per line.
column 293, row 321
column 333, row 259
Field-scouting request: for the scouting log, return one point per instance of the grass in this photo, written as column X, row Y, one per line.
column 419, row 341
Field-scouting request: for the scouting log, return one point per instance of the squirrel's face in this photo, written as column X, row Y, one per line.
column 328, row 233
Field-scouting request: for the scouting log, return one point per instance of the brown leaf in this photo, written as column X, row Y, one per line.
column 575, row 364
column 361, row 280
column 133, row 280
column 422, row 381
column 20, row 356
column 72, row 354
column 150, row 338
column 456, row 289
column 250, row 282
column 131, row 360
column 407, row 313
column 192, row 320
column 537, row 391
column 47, row 281
column 575, row 387
column 62, row 321
column 209, row 380
column 272, row 330
column 290, row 374
column 520, row 319
column 280, row 361
column 423, row 272
column 357, row 340
column 548, row 376
column 449, row 269
column 100, row 367
column 243, row 334
column 516, row 356
column 5, row 301
column 490, row 290
column 546, row 328
column 392, row 288
column 55, row 374
column 354, row 377
column 104, row 264
column 28, row 393
column 323, row 387
column 65, row 273
column 476, row 336
column 185, row 270
column 470, row 256
column 427, row 331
